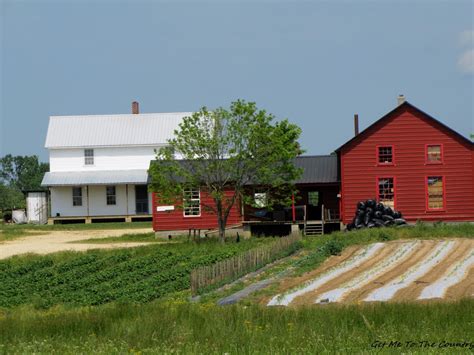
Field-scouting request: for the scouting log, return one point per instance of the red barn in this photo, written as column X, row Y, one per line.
column 413, row 162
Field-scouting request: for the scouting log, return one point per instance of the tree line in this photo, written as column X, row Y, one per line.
column 19, row 174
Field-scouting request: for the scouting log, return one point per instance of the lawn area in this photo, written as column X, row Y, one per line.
column 12, row 231
column 136, row 301
column 179, row 327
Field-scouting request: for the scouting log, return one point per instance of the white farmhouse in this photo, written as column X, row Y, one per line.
column 98, row 164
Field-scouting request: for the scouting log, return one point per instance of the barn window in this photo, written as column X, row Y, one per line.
column 313, row 198
column 192, row 202
column 260, row 199
column 386, row 191
column 435, row 193
column 111, row 195
column 385, row 155
column 77, row 196
column 89, row 156
column 434, row 154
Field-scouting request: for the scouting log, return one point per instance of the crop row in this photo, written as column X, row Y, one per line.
column 134, row 275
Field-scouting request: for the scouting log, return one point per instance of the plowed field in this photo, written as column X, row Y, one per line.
column 394, row 271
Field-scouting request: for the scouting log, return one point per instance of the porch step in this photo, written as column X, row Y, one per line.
column 313, row 229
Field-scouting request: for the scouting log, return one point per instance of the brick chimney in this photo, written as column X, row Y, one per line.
column 135, row 109
column 356, row 124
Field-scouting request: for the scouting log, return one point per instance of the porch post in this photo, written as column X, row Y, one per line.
column 293, row 210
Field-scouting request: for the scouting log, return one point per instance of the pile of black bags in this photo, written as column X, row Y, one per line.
column 373, row 214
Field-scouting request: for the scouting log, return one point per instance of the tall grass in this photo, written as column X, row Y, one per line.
column 178, row 327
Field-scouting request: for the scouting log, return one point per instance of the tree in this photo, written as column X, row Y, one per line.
column 10, row 198
column 224, row 151
column 19, row 173
column 22, row 172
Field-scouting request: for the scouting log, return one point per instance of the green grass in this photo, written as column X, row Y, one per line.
column 12, row 231
column 131, row 238
column 101, row 276
column 55, row 304
column 179, row 327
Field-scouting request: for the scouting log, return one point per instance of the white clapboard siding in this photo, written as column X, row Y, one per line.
column 113, row 158
column 61, row 202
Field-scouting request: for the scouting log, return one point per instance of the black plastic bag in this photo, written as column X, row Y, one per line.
column 371, row 203
column 387, row 211
column 399, row 221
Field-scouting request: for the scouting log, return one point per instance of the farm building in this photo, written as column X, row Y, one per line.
column 316, row 206
column 412, row 162
column 407, row 160
column 98, row 164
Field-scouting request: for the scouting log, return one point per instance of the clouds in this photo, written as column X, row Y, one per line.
column 466, row 60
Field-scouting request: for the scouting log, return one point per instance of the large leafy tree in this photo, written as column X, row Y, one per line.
column 222, row 152
column 17, row 174
column 22, row 172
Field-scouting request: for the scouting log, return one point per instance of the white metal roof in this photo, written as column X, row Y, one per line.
column 95, row 178
column 112, row 130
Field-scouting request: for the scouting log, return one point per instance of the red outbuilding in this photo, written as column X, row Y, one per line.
column 412, row 162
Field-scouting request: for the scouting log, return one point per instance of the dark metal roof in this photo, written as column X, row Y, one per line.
column 381, row 120
column 317, row 169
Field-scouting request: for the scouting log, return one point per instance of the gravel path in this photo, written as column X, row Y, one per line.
column 61, row 241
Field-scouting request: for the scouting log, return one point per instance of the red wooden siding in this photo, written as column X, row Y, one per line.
column 409, row 131
column 175, row 220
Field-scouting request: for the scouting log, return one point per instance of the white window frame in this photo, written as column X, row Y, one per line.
column 260, row 199
column 89, row 157
column 193, row 200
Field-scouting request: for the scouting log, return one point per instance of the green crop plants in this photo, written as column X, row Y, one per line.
column 96, row 277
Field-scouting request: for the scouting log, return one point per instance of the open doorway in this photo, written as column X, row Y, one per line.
column 141, row 199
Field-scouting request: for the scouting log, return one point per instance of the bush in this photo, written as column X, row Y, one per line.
column 333, row 247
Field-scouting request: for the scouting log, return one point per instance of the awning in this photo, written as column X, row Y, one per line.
column 109, row 177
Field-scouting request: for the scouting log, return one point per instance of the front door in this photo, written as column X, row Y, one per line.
column 141, row 199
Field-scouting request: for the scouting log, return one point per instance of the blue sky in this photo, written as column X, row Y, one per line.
column 315, row 63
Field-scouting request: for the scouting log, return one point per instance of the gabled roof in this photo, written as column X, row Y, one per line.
column 112, row 130
column 317, row 169
column 404, row 105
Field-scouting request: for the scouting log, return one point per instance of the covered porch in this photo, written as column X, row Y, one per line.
column 314, row 209
column 98, row 196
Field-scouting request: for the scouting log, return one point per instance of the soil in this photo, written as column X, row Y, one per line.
column 458, row 253
column 288, row 283
column 464, row 288
column 61, row 241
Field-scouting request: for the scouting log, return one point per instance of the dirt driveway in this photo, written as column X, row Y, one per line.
column 61, row 241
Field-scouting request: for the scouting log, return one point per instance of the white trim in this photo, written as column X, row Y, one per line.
column 192, row 199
